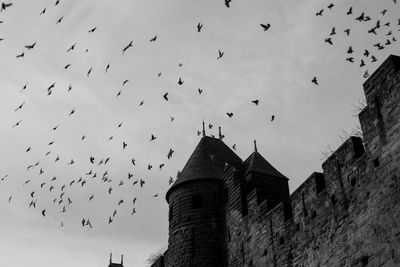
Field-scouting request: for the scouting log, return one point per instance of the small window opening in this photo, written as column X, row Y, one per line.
column 196, row 201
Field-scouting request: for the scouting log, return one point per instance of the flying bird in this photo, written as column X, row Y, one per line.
column 153, row 39
column 220, row 54
column 230, row 114
column 5, row 5
column 314, row 80
column 199, row 27
column 228, row 3
column 127, row 47
column 92, row 30
column 265, row 27
column 180, row 81
column 165, row 96
column 255, row 102
column 29, row 47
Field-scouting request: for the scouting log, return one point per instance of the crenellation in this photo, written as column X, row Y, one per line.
column 349, row 215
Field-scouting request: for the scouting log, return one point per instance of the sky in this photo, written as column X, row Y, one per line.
column 274, row 66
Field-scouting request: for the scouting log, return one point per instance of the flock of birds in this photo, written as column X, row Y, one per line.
column 98, row 169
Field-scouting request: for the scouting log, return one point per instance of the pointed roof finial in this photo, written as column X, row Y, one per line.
column 255, row 145
column 219, row 133
column 122, row 259
column 204, row 129
column 110, row 257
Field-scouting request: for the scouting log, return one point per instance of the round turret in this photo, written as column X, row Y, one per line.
column 195, row 219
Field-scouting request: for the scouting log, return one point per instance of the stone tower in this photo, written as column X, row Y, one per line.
column 195, row 221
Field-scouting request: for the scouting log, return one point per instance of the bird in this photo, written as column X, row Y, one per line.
column 180, row 81
column 350, row 11
column 152, row 138
column 72, row 47
column 124, row 145
column 350, row 59
column 199, row 27
column 69, row 87
column 43, row 11
column 153, row 39
column 29, row 47
column 125, row 82
column 199, row 91
column 333, row 31
column 72, row 112
column 170, row 152
column 142, row 182
column 20, row 55
column 272, row 117
column 329, row 41
column 44, row 213
column 133, row 161
column 57, row 2
column 230, row 114
column 362, row 64
column 67, row 66
column 59, row 20
column 28, row 149
column 89, row 71
column 171, row 180
column 107, row 67
column 265, row 27
column 149, row 167
column 165, row 96
column 347, row 31
column 5, row 5
column 141, row 103
column 92, row 30
column 127, row 47
column 161, row 166
column 20, row 106
column 17, row 123
column 110, row 220
column 366, row 53
column 228, row 3
column 91, row 197
column 319, row 13
column 383, row 12
column 120, row 202
column 234, row 147
column 350, row 50
column 314, row 80
column 255, row 102
column 220, row 54
column 331, row 5
column 155, row 195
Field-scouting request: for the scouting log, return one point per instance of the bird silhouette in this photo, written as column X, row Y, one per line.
column 127, row 47
column 59, row 20
column 152, row 138
column 71, row 48
column 199, row 27
column 255, row 102
column 228, row 3
column 180, row 81
column 153, row 39
column 20, row 55
column 220, row 54
column 92, row 30
column 29, row 47
column 43, row 11
column 230, row 114
column 272, row 117
column 165, row 96
column 265, row 27
column 4, row 6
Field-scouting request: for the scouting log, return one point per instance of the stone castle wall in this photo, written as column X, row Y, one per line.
column 349, row 215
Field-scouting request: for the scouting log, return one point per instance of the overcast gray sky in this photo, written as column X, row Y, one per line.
column 275, row 66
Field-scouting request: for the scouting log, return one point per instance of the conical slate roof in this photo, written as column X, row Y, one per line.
column 207, row 161
column 257, row 163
